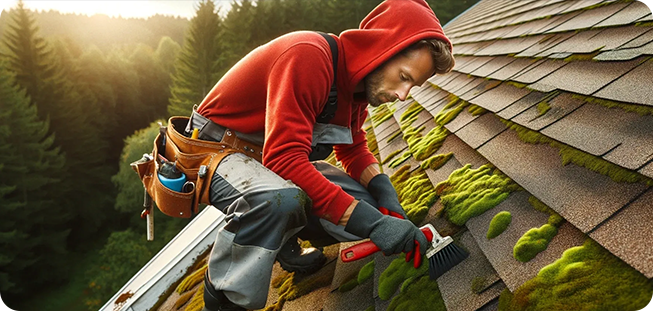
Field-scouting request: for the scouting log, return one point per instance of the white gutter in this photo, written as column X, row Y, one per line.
column 169, row 265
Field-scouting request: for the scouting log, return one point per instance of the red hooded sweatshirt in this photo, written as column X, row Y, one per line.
column 281, row 87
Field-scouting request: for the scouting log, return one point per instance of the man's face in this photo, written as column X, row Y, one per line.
column 394, row 79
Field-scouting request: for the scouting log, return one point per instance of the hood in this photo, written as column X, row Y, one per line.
column 391, row 27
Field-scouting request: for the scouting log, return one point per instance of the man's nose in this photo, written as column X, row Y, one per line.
column 402, row 93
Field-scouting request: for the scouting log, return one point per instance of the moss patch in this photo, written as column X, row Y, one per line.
column 638, row 109
column 581, row 57
column 470, row 192
column 587, row 277
column 476, row 110
column 382, row 113
column 411, row 114
column 445, row 116
column 366, row 272
column 437, row 161
column 517, row 84
column 415, row 192
column 422, row 294
column 533, row 242
column 580, row 158
column 543, row 108
column 554, row 218
column 478, row 284
column 390, row 156
column 291, row 287
column 393, row 136
column 398, row 161
column 398, row 271
column 498, row 224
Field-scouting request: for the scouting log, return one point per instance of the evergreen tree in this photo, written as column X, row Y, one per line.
column 85, row 191
column 152, row 82
column 166, row 53
column 196, row 68
column 32, row 226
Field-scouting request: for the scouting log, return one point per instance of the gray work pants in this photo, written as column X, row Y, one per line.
column 263, row 212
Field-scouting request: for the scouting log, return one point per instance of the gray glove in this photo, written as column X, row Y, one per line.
column 382, row 190
column 391, row 234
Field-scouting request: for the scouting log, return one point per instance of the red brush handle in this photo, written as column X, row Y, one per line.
column 367, row 248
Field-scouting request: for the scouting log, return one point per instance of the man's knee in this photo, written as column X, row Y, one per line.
column 292, row 203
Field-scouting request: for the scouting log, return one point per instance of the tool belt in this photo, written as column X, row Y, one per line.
column 197, row 159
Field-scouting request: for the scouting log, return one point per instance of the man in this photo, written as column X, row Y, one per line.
column 274, row 97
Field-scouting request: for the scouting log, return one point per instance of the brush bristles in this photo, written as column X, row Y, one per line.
column 445, row 259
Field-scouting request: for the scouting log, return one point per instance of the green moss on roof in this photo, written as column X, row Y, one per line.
column 446, row 116
column 476, row 110
column 554, row 218
column 366, row 272
column 580, row 158
column 411, row 114
column 393, row 136
column 470, row 192
column 498, row 224
column 517, row 84
column 422, row 294
column 398, row 161
column 478, row 284
column 542, row 108
column 436, row 161
column 638, row 109
column 426, row 146
column 382, row 113
column 533, row 242
column 583, row 56
column 390, row 156
column 415, row 192
column 587, row 277
column 398, row 271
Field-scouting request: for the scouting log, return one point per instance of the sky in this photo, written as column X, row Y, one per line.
column 115, row 8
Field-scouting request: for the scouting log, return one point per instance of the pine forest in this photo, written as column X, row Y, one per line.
column 81, row 97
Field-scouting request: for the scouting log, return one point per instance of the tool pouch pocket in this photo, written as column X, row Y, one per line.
column 197, row 159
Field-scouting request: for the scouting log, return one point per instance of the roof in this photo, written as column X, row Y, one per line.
column 557, row 96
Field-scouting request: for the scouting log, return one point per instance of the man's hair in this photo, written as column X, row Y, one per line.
column 440, row 52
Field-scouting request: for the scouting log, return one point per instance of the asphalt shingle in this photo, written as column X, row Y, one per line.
column 629, row 88
column 569, row 190
column 455, row 285
column 533, row 98
column 460, row 121
column 515, row 67
column 492, row 66
column 574, row 76
column 560, row 106
column 480, row 130
column 629, row 14
column 473, row 64
column 499, row 250
column 500, row 97
column 481, row 88
column 628, row 234
column 590, row 18
column 545, row 43
column 462, row 152
column 625, row 138
column 538, row 72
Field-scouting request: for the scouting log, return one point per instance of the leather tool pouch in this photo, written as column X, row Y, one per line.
column 198, row 159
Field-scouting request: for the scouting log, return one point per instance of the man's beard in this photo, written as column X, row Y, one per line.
column 373, row 93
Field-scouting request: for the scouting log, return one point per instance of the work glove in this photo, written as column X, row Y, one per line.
column 414, row 254
column 391, row 234
column 385, row 194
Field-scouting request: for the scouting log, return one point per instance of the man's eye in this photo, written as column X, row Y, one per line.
column 403, row 77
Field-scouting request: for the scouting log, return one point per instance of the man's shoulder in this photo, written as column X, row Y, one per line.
column 306, row 41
